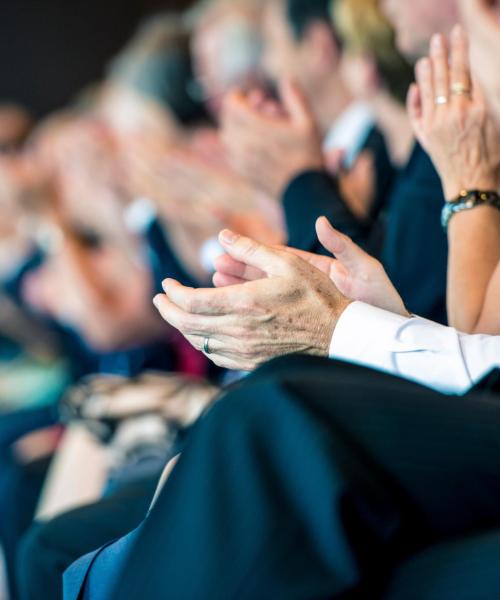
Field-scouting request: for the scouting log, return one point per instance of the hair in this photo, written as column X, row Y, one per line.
column 364, row 29
column 157, row 64
column 302, row 14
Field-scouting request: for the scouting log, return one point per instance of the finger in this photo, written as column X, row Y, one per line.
column 224, row 351
column 200, row 341
column 460, row 67
column 477, row 92
column 295, row 101
column 426, row 85
column 322, row 263
column 221, row 280
column 440, row 68
column 175, row 316
column 269, row 260
column 342, row 247
column 208, row 302
column 229, row 266
column 414, row 106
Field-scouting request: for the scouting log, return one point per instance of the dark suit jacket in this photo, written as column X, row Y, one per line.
column 315, row 193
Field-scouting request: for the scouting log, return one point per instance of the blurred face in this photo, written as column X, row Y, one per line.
column 482, row 21
column 359, row 74
column 415, row 21
column 14, row 126
column 226, row 53
column 129, row 114
column 282, row 52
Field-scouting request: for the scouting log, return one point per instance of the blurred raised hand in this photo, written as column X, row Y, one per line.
column 356, row 274
column 270, row 142
column 451, row 119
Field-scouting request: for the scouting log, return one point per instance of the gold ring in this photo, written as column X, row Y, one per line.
column 439, row 100
column 458, row 89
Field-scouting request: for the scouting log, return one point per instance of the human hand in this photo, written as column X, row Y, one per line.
column 268, row 143
column 294, row 309
column 450, row 118
column 356, row 274
column 482, row 21
column 187, row 188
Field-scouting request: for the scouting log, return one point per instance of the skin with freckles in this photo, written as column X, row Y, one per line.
column 273, row 301
column 294, row 309
column 355, row 273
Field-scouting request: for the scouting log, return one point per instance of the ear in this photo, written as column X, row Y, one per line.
column 323, row 48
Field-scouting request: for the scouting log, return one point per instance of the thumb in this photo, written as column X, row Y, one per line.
column 334, row 159
column 245, row 250
column 295, row 102
column 414, row 106
column 343, row 248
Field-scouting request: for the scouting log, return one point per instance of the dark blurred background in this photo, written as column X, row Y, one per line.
column 51, row 49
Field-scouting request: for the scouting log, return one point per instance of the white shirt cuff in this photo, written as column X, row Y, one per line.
column 412, row 348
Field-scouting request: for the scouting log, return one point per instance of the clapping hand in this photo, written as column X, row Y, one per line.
column 270, row 143
column 356, row 274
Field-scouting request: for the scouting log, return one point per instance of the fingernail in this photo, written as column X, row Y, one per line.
column 436, row 42
column 228, row 237
column 167, row 284
column 156, row 300
column 456, row 32
column 423, row 65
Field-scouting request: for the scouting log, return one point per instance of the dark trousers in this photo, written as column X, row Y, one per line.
column 316, row 479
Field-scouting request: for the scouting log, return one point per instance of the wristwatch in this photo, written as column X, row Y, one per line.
column 467, row 200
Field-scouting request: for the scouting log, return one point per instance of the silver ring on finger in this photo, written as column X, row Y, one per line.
column 206, row 346
column 440, row 100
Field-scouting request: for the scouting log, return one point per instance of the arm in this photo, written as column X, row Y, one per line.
column 463, row 142
column 474, row 270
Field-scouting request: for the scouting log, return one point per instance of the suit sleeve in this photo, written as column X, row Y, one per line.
column 314, row 194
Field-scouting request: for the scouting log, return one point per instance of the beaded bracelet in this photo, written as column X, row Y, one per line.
column 467, row 200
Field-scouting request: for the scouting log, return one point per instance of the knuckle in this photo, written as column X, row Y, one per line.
column 189, row 304
column 291, row 263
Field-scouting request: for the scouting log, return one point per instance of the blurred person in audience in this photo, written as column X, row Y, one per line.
column 184, row 171
column 351, row 507
column 103, row 243
column 15, row 126
column 93, row 253
column 302, row 174
column 226, row 48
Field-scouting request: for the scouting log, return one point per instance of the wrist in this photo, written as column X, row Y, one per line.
column 468, row 200
column 453, row 188
column 328, row 330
